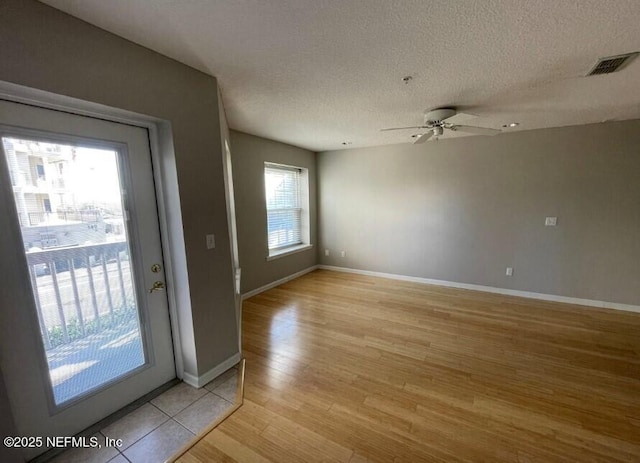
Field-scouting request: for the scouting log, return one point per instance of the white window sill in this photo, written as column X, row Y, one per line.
column 288, row 251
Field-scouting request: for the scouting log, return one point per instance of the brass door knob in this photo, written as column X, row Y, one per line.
column 157, row 286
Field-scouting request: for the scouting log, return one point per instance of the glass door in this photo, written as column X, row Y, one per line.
column 72, row 221
column 83, row 229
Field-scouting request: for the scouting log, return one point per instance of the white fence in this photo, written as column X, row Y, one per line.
column 81, row 290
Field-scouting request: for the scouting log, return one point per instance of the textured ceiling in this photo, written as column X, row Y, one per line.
column 315, row 73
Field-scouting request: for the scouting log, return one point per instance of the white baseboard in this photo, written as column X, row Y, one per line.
column 490, row 289
column 199, row 381
column 273, row 284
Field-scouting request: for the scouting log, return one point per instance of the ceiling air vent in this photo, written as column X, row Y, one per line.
column 611, row 64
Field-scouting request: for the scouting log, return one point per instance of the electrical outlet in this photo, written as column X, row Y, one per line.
column 211, row 241
column 326, row 252
column 550, row 221
column 509, row 271
column 343, row 253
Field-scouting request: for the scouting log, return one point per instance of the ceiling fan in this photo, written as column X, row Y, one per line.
column 438, row 120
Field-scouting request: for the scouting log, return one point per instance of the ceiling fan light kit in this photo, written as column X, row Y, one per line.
column 438, row 120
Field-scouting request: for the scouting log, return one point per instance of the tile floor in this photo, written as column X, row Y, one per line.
column 160, row 427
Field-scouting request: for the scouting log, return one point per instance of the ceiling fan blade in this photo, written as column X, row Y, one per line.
column 458, row 118
column 476, row 130
column 422, row 138
column 403, row 128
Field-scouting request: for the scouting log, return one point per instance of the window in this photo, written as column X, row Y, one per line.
column 287, row 198
column 40, row 171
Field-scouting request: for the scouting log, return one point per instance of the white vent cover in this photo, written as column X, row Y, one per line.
column 611, row 64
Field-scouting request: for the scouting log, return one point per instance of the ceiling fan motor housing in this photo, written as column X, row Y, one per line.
column 437, row 116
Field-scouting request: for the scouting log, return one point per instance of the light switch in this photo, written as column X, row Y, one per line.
column 550, row 221
column 211, row 241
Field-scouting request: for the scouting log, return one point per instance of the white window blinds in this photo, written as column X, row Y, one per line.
column 284, row 211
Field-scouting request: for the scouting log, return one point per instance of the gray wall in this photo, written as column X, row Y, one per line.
column 7, row 427
column 46, row 49
column 248, row 155
column 464, row 209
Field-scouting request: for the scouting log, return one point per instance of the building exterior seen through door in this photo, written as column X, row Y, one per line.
column 85, row 328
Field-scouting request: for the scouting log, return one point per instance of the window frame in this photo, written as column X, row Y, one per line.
column 303, row 201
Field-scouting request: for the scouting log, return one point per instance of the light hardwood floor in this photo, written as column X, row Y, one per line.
column 349, row 368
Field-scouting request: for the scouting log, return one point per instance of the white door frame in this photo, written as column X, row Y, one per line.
column 233, row 236
column 165, row 179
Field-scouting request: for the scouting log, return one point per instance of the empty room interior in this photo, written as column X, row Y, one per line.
column 299, row 231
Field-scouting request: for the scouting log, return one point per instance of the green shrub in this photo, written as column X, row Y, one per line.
column 121, row 316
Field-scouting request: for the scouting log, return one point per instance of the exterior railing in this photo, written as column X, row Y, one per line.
column 81, row 290
column 36, row 218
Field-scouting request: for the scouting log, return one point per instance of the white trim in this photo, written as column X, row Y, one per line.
column 489, row 289
column 273, row 284
column 199, row 381
column 288, row 251
column 174, row 261
column 44, row 99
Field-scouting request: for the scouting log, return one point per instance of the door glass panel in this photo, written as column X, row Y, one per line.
column 70, row 208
